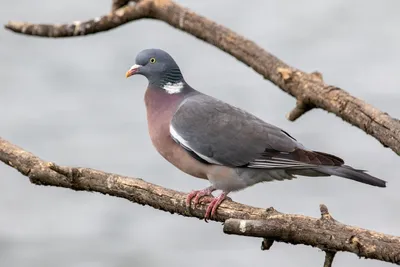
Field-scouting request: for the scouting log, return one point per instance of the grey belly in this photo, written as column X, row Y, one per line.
column 235, row 179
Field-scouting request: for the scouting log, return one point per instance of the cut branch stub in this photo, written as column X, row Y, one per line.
column 329, row 256
column 325, row 215
column 300, row 109
column 266, row 244
column 302, row 106
column 118, row 4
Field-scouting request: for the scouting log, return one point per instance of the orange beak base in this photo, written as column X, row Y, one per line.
column 132, row 71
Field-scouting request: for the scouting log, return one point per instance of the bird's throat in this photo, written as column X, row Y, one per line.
column 159, row 102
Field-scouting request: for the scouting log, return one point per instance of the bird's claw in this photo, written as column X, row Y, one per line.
column 197, row 195
column 213, row 206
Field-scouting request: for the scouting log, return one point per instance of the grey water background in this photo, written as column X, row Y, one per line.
column 68, row 101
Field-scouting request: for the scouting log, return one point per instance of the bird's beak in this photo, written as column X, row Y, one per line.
column 133, row 70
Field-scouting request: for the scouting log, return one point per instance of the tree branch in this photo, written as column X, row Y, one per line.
column 324, row 233
column 309, row 89
column 107, row 22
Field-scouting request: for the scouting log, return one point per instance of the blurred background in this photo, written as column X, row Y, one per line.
column 67, row 101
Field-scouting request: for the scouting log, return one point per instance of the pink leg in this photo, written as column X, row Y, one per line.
column 213, row 206
column 197, row 194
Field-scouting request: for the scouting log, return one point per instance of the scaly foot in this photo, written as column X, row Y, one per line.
column 197, row 194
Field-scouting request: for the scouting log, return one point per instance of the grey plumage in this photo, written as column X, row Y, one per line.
column 230, row 147
column 226, row 134
column 222, row 134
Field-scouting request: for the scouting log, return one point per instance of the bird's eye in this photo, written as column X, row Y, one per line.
column 152, row 60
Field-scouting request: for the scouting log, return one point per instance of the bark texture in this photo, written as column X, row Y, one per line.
column 308, row 88
column 324, row 233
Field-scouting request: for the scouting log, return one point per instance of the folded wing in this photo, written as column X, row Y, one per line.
column 215, row 132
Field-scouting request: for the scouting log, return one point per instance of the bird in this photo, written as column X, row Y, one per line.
column 226, row 145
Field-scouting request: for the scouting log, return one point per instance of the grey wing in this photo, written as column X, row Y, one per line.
column 219, row 133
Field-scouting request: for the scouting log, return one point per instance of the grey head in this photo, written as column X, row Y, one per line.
column 160, row 69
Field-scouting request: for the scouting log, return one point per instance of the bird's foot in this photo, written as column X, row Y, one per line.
column 213, row 206
column 197, row 194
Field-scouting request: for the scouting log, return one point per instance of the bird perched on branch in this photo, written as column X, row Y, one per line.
column 210, row 139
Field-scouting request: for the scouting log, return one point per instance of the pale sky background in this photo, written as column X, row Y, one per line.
column 68, row 101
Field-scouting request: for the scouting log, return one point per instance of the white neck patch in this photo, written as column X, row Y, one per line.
column 173, row 88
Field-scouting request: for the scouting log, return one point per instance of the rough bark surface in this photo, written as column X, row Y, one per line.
column 308, row 88
column 324, row 233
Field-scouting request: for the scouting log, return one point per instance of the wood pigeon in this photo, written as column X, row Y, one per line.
column 210, row 139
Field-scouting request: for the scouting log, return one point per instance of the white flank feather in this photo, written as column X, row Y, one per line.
column 184, row 143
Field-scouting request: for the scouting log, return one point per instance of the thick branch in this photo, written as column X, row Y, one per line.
column 324, row 233
column 296, row 229
column 309, row 89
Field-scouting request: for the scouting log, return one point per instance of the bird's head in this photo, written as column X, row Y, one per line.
column 159, row 68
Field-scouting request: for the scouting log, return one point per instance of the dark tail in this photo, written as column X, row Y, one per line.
column 352, row 174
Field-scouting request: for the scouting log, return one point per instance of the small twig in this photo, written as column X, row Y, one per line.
column 300, row 109
column 302, row 106
column 325, row 215
column 266, row 244
column 329, row 256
